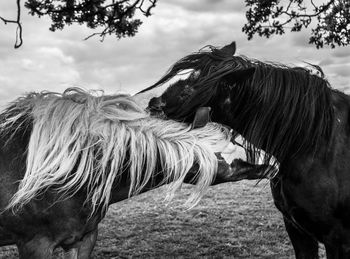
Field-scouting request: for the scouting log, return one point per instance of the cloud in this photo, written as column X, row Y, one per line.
column 326, row 62
column 57, row 54
column 301, row 39
column 209, row 6
column 341, row 52
column 341, row 70
column 54, row 61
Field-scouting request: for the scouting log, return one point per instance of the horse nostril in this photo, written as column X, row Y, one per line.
column 156, row 104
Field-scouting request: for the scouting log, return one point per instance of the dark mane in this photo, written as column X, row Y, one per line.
column 285, row 110
column 295, row 113
column 207, row 66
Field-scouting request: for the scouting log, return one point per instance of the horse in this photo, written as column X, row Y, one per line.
column 65, row 157
column 296, row 117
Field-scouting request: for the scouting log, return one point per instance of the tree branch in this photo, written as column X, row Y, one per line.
column 19, row 39
column 114, row 16
column 266, row 18
column 325, row 7
column 137, row 4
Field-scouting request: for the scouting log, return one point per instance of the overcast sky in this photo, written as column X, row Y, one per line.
column 57, row 60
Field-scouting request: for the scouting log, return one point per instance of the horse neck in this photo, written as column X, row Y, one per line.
column 229, row 111
column 121, row 186
column 270, row 126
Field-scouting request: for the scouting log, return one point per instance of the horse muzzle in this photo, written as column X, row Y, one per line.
column 155, row 107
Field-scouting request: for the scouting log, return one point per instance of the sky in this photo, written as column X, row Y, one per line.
column 54, row 61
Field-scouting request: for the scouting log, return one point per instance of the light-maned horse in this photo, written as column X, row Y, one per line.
column 293, row 114
column 65, row 157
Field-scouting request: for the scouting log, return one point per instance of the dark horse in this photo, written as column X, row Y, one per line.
column 65, row 157
column 294, row 115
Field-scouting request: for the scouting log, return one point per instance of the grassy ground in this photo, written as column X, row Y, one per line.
column 234, row 220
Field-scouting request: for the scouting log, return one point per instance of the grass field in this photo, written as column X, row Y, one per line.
column 233, row 220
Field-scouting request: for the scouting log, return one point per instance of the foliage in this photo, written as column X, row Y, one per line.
column 330, row 20
column 116, row 17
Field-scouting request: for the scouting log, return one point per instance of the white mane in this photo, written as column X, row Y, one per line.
column 95, row 136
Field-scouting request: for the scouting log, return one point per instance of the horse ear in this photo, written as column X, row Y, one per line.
column 239, row 75
column 201, row 118
column 230, row 49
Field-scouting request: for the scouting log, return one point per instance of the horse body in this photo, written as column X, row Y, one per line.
column 40, row 226
column 313, row 194
column 294, row 116
column 46, row 223
column 69, row 217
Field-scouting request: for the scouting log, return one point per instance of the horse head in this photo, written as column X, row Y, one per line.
column 182, row 99
column 214, row 73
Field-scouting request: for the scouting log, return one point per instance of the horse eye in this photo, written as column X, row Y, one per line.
column 184, row 95
column 228, row 86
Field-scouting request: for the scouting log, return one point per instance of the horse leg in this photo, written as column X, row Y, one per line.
column 337, row 251
column 71, row 253
column 83, row 248
column 305, row 247
column 5, row 238
column 332, row 252
column 36, row 248
column 87, row 245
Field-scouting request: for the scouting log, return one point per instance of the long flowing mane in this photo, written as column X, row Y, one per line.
column 286, row 110
column 97, row 136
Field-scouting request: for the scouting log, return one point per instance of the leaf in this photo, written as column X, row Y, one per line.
column 332, row 20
